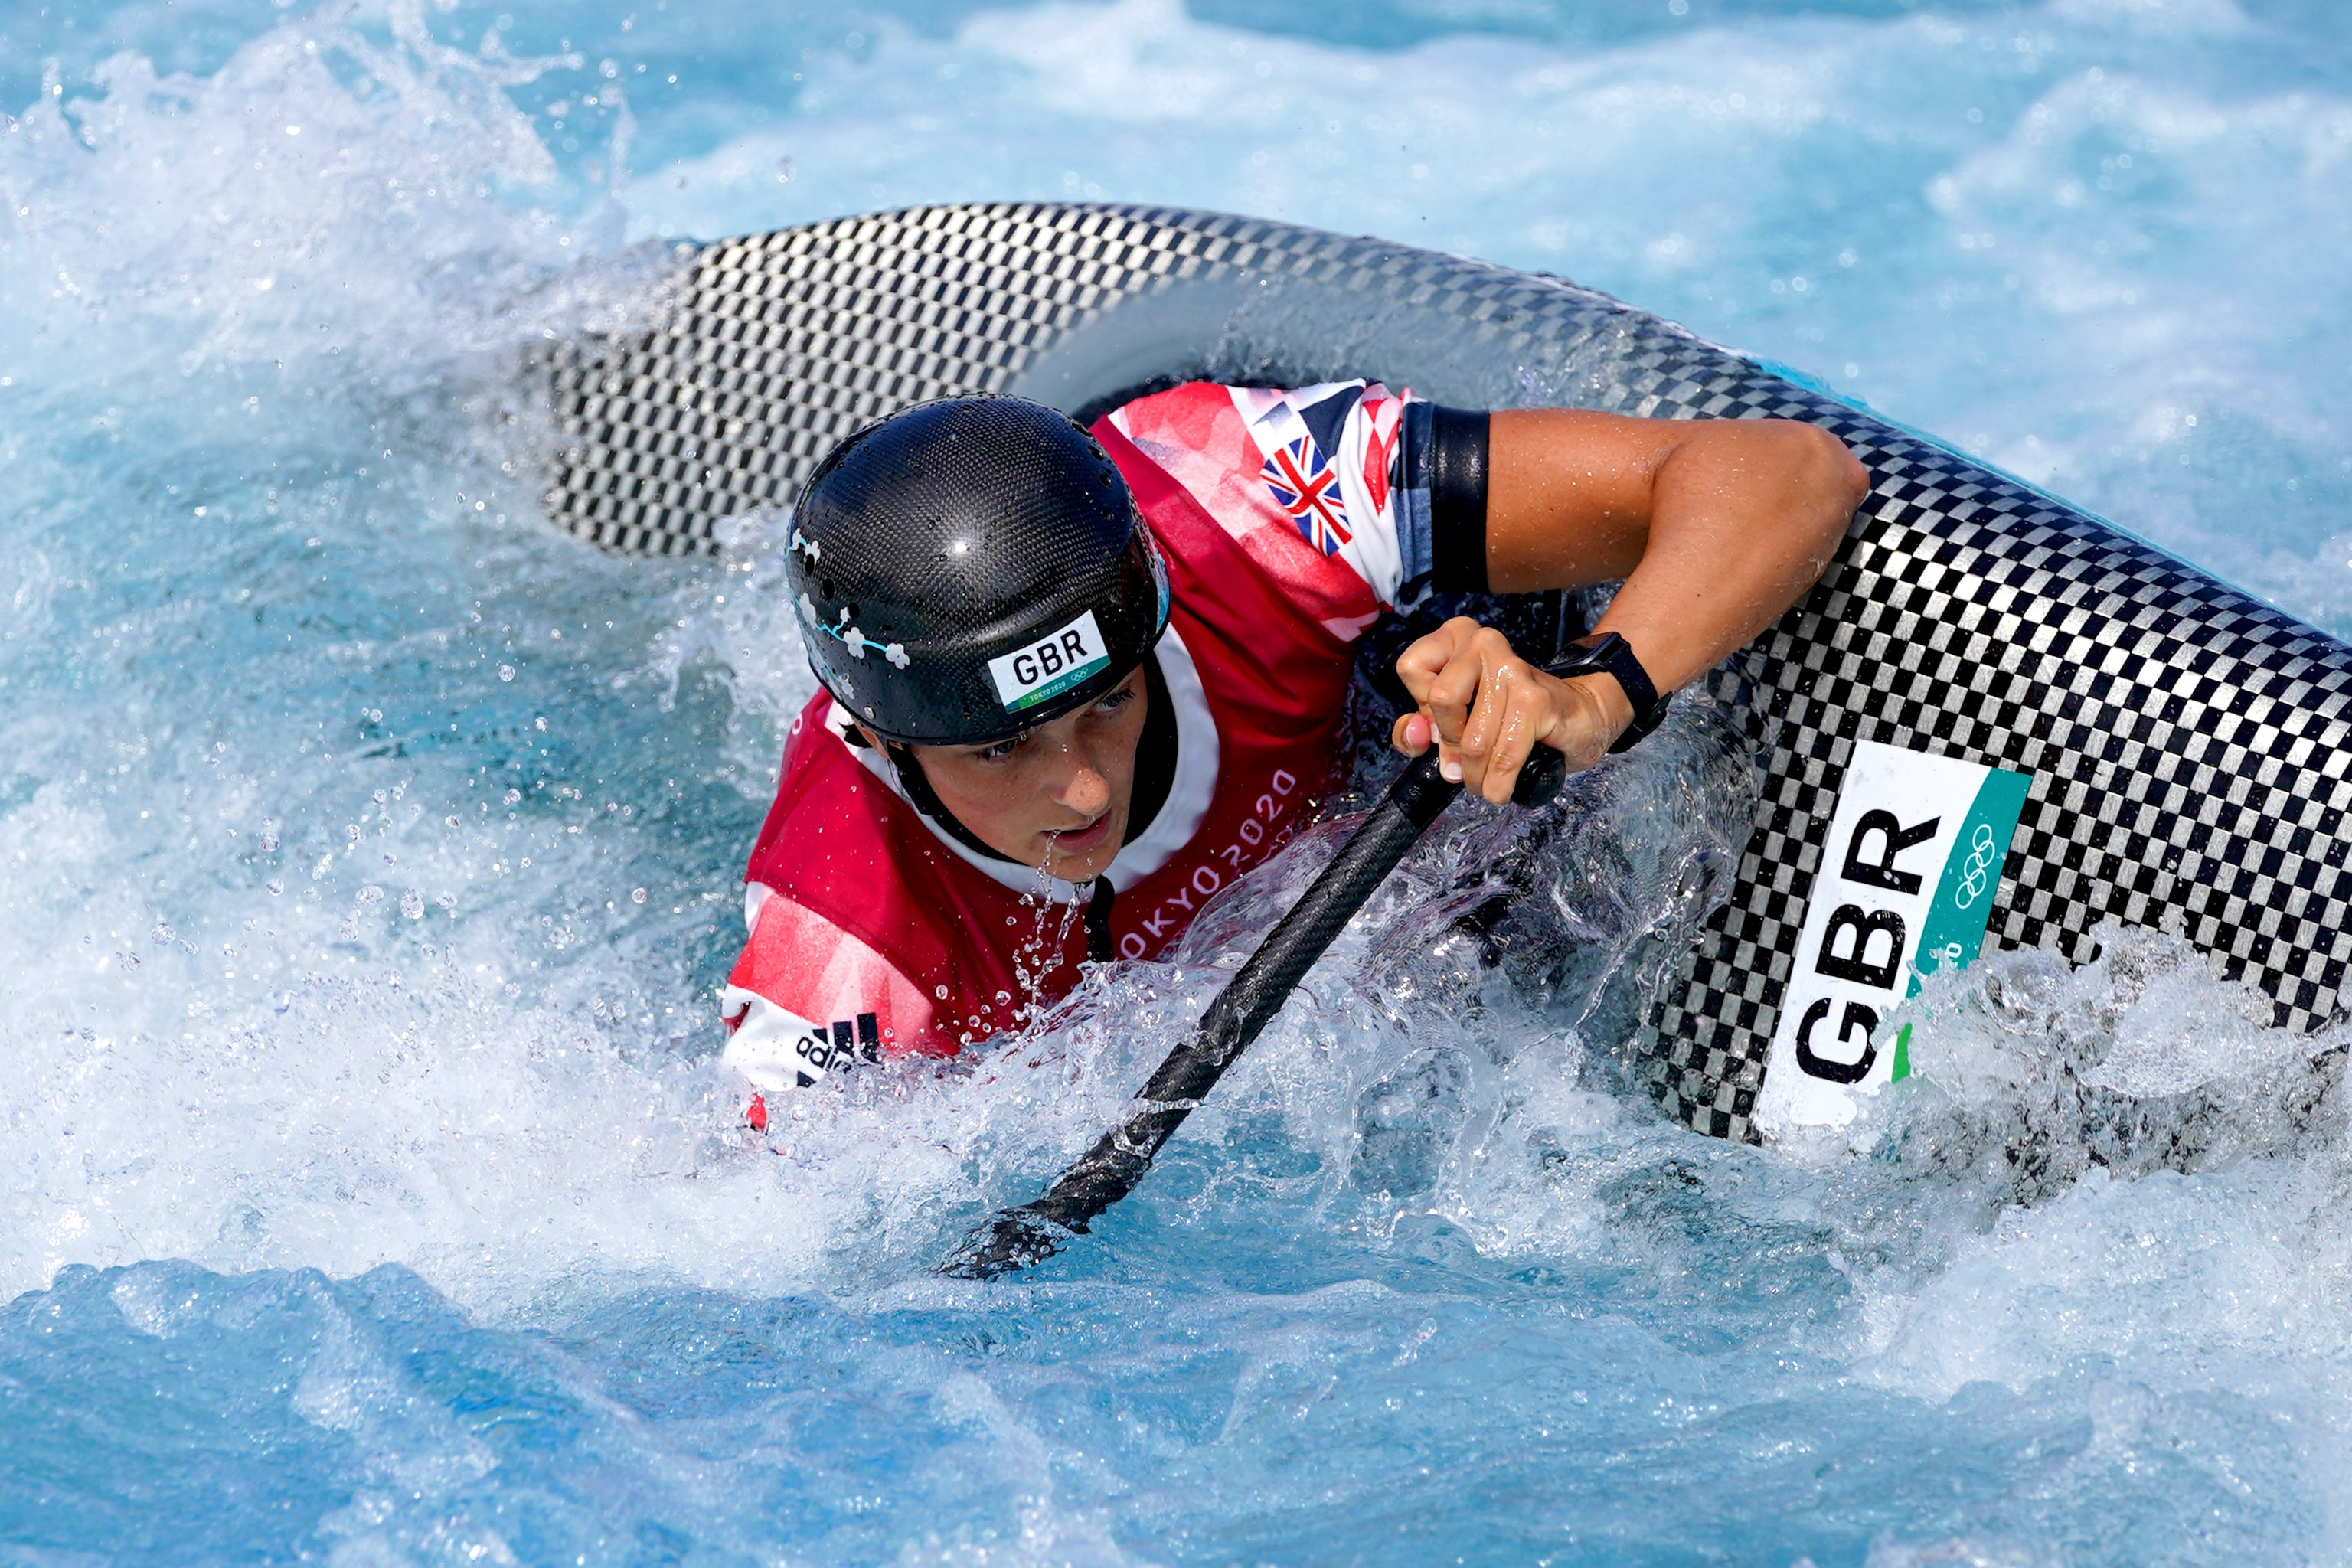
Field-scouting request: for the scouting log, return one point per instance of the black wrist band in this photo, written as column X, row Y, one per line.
column 1457, row 474
column 1612, row 657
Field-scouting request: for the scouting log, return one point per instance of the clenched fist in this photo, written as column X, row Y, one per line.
column 1488, row 708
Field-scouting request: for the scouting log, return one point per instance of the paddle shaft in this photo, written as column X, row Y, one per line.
column 1105, row 1174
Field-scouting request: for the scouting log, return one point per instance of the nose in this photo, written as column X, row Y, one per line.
column 1083, row 789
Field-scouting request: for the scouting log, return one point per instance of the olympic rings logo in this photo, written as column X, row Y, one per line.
column 1976, row 876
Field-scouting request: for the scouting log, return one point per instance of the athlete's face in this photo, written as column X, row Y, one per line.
column 1056, row 797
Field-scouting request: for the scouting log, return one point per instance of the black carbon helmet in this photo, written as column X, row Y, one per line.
column 968, row 568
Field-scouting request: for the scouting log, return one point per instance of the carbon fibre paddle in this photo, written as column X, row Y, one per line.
column 1018, row 1237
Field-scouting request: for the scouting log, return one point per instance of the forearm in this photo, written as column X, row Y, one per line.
column 1717, row 526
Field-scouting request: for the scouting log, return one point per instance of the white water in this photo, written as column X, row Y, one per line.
column 280, row 634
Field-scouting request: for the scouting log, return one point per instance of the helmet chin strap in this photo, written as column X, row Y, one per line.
column 917, row 785
column 927, row 800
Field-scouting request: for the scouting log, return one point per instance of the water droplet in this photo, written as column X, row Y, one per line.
column 506, row 673
column 637, row 895
column 411, row 904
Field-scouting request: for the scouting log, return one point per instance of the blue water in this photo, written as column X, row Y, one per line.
column 371, row 854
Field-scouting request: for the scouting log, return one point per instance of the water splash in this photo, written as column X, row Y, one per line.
column 469, row 1239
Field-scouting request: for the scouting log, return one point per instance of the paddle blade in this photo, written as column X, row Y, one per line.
column 1012, row 1240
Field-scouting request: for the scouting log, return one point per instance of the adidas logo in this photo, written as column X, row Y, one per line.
column 848, row 1041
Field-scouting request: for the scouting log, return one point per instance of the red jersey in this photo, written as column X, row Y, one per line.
column 875, row 933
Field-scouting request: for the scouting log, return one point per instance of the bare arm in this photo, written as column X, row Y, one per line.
column 1717, row 526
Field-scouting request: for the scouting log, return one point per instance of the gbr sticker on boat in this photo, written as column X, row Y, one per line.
column 1051, row 665
column 1908, row 879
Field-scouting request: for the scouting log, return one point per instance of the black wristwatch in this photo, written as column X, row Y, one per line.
column 1611, row 655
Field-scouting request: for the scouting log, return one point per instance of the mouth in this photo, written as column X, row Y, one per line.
column 1084, row 840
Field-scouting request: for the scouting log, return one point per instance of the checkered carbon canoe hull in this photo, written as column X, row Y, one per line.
column 2188, row 744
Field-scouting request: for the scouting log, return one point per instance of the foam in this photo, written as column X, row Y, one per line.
column 447, row 1197
column 2003, row 279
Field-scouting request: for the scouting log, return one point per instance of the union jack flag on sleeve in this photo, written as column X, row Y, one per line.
column 1315, row 483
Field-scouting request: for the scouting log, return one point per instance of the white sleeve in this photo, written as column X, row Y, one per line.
column 771, row 1049
column 1331, row 457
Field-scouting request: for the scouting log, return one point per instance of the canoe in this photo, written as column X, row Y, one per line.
column 1997, row 720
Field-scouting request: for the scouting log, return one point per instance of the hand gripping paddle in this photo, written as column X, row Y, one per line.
column 1018, row 1237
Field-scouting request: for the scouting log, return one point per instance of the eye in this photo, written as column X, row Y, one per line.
column 1116, row 701
column 999, row 751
